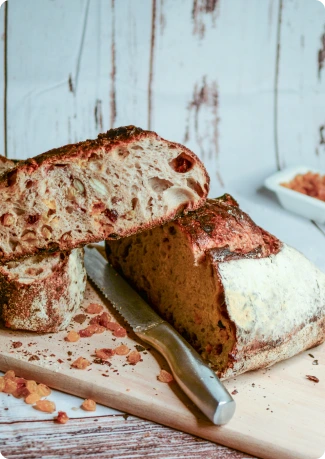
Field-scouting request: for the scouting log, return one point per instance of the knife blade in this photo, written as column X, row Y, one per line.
column 193, row 376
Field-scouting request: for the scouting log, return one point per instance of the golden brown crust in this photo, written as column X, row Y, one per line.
column 83, row 151
column 43, row 304
column 221, row 228
column 241, row 297
column 5, row 164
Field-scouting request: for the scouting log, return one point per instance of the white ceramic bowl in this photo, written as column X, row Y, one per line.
column 296, row 202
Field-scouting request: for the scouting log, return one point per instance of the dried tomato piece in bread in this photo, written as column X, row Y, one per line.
column 123, row 182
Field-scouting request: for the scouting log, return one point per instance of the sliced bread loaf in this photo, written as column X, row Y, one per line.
column 43, row 292
column 242, row 298
column 124, row 181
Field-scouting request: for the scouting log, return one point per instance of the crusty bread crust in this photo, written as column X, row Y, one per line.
column 38, row 294
column 221, row 226
column 42, row 295
column 110, row 219
column 5, row 164
column 242, row 298
column 277, row 305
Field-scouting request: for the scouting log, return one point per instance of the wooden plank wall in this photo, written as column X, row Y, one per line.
column 301, row 84
column 2, row 78
column 240, row 83
column 59, row 67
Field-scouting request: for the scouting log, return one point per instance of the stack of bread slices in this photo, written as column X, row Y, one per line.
column 241, row 297
column 123, row 182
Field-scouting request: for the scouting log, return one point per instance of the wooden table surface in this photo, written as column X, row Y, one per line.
column 25, row 433
column 107, row 433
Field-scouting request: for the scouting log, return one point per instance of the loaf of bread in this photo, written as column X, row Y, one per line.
column 124, row 181
column 43, row 292
column 242, row 298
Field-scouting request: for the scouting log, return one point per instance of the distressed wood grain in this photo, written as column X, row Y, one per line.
column 132, row 62
column 3, row 11
column 213, row 81
column 106, row 437
column 58, row 88
column 301, row 88
column 13, row 410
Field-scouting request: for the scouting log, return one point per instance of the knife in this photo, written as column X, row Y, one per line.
column 194, row 377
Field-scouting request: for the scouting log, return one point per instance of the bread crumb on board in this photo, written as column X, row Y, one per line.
column 312, row 378
column 72, row 336
column 94, row 308
column 122, row 350
column 134, row 357
column 165, row 377
column 81, row 363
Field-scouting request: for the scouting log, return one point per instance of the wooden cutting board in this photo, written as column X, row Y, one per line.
column 280, row 414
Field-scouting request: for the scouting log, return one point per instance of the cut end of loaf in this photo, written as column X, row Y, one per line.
column 125, row 181
column 175, row 267
column 42, row 293
column 156, row 263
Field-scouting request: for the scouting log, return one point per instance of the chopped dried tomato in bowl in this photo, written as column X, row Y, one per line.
column 311, row 184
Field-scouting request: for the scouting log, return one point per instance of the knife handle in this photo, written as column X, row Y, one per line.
column 194, row 377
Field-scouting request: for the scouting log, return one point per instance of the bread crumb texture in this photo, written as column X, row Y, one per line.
column 124, row 181
column 242, row 298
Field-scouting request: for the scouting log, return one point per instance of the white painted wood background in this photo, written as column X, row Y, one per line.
column 240, row 82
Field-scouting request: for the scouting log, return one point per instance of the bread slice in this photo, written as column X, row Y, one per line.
column 43, row 292
column 242, row 298
column 124, row 181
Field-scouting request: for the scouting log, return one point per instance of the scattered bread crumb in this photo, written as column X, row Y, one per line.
column 120, row 332
column 45, row 405
column 31, row 386
column 72, row 336
column 122, row 350
column 104, row 353
column 43, row 390
column 134, row 357
column 94, row 308
column 32, row 398
column 91, row 330
column 10, row 386
column 80, row 318
column 62, row 417
column 112, row 326
column 165, row 377
column 81, row 363
column 89, row 405
column 10, row 374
